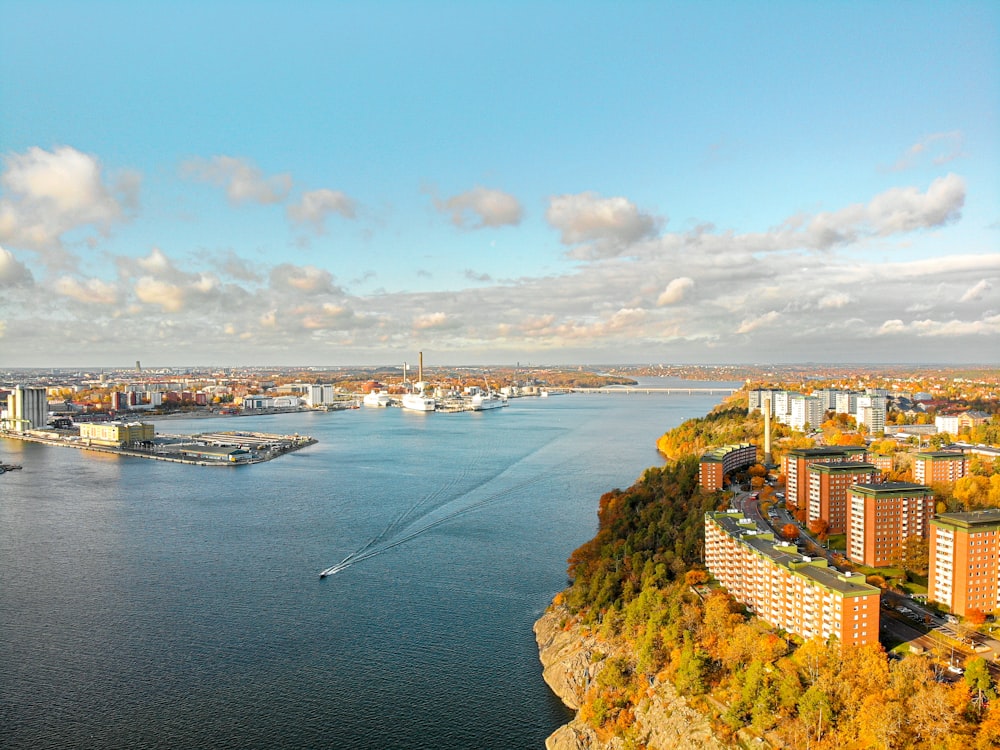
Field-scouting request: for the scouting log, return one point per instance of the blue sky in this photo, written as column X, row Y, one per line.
column 333, row 183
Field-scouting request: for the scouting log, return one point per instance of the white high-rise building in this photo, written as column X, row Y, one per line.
column 871, row 413
column 846, row 403
column 806, row 410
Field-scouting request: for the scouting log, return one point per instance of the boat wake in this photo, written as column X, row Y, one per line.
column 417, row 528
column 424, row 515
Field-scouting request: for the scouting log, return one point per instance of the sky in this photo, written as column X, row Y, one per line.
column 326, row 184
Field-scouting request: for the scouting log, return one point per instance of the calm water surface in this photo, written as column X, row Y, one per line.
column 153, row 605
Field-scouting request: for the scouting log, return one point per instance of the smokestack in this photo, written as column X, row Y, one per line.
column 421, row 370
column 767, row 430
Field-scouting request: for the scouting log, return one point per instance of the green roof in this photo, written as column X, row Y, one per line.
column 717, row 454
column 813, row 568
column 977, row 520
column 892, row 488
column 847, row 467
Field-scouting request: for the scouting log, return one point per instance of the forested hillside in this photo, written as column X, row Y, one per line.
column 635, row 583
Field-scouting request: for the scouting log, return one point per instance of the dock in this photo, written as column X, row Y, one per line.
column 209, row 449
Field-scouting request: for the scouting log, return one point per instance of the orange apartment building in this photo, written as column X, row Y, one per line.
column 964, row 549
column 939, row 466
column 798, row 594
column 883, row 517
column 795, row 466
column 715, row 464
column 828, row 486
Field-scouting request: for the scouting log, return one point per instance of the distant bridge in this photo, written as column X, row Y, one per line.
column 630, row 390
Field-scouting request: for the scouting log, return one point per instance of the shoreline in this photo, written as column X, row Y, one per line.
column 285, row 444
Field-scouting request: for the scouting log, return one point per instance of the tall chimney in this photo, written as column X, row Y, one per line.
column 421, row 370
column 767, row 430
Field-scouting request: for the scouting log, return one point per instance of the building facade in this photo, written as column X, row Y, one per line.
column 964, row 550
column 795, row 593
column 828, row 491
column 939, row 466
column 882, row 517
column 116, row 434
column 718, row 462
column 795, row 466
column 806, row 410
column 27, row 409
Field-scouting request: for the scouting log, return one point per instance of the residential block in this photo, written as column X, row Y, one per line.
column 798, row 594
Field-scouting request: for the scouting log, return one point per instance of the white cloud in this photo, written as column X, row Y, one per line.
column 834, row 301
column 752, row 324
column 940, row 148
column 91, row 291
column 155, row 263
column 302, row 279
column 317, row 205
column 170, row 297
column 675, row 291
column 609, row 225
column 242, row 179
column 482, row 207
column 434, row 321
column 987, row 326
column 894, row 211
column 12, row 271
column 977, row 291
column 50, row 193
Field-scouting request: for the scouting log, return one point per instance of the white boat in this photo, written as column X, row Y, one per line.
column 484, row 401
column 418, row 402
column 376, row 398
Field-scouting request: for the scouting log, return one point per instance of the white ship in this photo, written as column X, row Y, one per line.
column 484, row 401
column 418, row 402
column 376, row 398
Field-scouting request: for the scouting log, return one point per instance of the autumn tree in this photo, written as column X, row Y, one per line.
column 820, row 527
column 975, row 617
column 790, row 531
column 915, row 554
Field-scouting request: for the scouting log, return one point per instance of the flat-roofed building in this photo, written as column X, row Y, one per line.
column 117, row 434
column 798, row 594
column 947, row 423
column 828, row 491
column 221, row 453
column 795, row 466
column 939, row 466
column 964, row 560
column 27, row 409
column 846, row 402
column 806, row 410
column 882, row 517
column 715, row 464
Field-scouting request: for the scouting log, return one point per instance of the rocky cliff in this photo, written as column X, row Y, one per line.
column 663, row 719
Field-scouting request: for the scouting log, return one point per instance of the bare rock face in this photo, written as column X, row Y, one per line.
column 565, row 656
column 663, row 718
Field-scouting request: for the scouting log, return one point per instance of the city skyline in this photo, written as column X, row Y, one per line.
column 549, row 183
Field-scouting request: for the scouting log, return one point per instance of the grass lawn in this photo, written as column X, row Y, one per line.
column 837, row 541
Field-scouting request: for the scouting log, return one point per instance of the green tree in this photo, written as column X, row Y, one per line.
column 977, row 677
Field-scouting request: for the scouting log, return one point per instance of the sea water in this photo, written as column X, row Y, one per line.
column 155, row 605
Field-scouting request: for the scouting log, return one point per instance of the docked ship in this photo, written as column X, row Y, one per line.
column 484, row 401
column 417, row 400
column 376, row 398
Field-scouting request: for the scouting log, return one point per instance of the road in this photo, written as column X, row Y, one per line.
column 903, row 619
